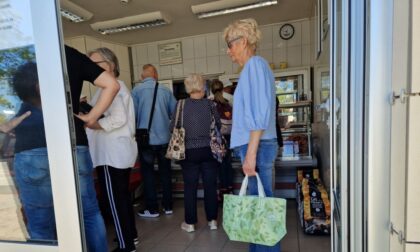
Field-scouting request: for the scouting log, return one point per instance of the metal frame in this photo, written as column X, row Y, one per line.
column 357, row 126
column 57, row 118
column 378, row 115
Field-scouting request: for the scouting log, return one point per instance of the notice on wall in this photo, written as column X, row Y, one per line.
column 15, row 24
column 170, row 53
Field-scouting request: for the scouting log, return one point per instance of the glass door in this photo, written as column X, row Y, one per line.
column 339, row 131
column 38, row 200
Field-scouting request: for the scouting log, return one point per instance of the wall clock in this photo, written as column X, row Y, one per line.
column 287, row 31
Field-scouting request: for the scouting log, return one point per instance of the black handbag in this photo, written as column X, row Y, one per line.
column 143, row 135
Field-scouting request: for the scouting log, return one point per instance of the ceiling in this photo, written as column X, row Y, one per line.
column 183, row 22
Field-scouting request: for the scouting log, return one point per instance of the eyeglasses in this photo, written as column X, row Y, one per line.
column 230, row 42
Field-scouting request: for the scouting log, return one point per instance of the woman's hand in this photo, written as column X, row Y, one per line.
column 248, row 167
column 89, row 123
column 10, row 125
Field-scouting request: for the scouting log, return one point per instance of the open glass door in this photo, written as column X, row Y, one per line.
column 38, row 199
column 339, row 131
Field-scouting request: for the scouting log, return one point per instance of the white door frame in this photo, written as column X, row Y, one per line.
column 57, row 118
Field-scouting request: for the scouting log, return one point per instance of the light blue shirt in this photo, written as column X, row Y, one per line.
column 254, row 103
column 164, row 107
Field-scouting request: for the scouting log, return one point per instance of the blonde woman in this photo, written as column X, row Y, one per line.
column 114, row 151
column 197, row 116
column 253, row 134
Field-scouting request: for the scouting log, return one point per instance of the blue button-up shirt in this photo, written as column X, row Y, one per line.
column 164, row 107
column 254, row 103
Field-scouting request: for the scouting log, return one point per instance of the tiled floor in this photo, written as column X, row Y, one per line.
column 164, row 234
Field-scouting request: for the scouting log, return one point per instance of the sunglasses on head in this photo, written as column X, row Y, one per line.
column 230, row 42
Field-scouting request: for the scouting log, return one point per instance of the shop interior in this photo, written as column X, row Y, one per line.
column 295, row 43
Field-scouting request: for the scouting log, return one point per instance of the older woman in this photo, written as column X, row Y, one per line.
column 197, row 116
column 253, row 134
column 114, row 151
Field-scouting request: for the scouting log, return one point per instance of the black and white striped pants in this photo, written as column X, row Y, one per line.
column 114, row 185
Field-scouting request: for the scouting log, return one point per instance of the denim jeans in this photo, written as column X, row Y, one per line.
column 267, row 152
column 34, row 184
column 147, row 159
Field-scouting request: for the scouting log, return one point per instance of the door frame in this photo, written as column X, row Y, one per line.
column 58, row 116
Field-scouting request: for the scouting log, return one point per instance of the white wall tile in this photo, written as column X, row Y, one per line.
column 177, row 70
column 267, row 55
column 122, row 54
column 294, row 56
column 152, row 52
column 189, row 66
column 187, row 48
column 225, row 64
column 79, row 44
column 136, row 75
column 108, row 45
column 200, row 47
column 213, row 64
column 92, row 44
column 279, row 55
column 212, row 44
column 141, row 55
column 277, row 41
column 267, row 38
column 306, row 32
column 165, row 72
column 296, row 40
column 201, row 65
column 125, row 76
column 222, row 44
column 306, row 55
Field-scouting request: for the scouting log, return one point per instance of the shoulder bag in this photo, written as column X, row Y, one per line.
column 143, row 135
column 176, row 146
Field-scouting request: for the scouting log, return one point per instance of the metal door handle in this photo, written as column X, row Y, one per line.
column 403, row 95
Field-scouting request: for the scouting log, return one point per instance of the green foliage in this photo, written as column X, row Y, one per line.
column 11, row 59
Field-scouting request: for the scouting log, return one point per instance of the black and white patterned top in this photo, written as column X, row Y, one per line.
column 197, row 121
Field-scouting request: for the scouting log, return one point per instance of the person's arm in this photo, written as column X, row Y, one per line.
column 258, row 94
column 250, row 160
column 117, row 116
column 110, row 88
column 10, row 125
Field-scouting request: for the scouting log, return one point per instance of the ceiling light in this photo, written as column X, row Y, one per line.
column 223, row 7
column 146, row 20
column 74, row 12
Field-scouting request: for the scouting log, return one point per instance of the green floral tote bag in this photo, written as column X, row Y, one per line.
column 254, row 219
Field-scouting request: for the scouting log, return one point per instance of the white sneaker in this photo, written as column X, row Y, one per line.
column 187, row 227
column 168, row 211
column 212, row 224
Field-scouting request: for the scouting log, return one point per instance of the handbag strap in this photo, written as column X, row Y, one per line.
column 180, row 107
column 153, row 107
column 244, row 185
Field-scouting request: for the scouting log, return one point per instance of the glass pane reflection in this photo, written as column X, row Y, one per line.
column 26, row 204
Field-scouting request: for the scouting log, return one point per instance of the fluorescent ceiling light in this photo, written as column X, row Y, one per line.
column 223, row 7
column 147, row 20
column 74, row 12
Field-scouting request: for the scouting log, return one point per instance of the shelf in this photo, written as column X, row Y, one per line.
column 296, row 161
column 296, row 104
column 287, row 93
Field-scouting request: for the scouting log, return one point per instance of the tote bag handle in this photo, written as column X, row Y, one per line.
column 244, row 186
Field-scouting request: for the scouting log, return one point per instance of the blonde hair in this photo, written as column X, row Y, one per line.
column 245, row 28
column 194, row 83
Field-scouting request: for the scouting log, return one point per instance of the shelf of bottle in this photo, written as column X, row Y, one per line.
column 287, row 92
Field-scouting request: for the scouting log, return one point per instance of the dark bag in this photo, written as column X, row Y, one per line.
column 217, row 141
column 143, row 135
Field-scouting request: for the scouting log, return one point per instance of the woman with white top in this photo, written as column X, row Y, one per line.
column 114, row 151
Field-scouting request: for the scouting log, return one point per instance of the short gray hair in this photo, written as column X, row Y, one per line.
column 194, row 83
column 245, row 28
column 109, row 57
